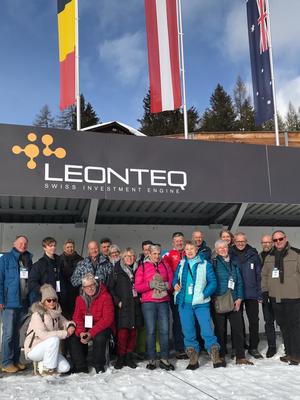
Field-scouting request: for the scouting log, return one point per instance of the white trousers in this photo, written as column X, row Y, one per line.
column 48, row 352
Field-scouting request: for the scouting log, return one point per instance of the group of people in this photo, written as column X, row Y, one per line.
column 115, row 295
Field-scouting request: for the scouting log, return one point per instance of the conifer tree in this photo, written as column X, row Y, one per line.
column 44, row 118
column 243, row 108
column 220, row 116
column 167, row 122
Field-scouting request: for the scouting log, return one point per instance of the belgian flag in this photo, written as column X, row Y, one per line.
column 67, row 44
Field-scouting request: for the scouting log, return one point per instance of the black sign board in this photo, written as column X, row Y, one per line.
column 60, row 163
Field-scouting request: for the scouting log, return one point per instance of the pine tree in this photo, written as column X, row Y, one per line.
column 167, row 122
column 220, row 116
column 65, row 119
column 44, row 118
column 88, row 115
column 243, row 108
column 292, row 119
column 270, row 126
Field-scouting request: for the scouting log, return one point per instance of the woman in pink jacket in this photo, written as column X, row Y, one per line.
column 153, row 281
column 46, row 329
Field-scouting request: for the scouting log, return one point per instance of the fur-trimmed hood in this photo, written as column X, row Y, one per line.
column 39, row 308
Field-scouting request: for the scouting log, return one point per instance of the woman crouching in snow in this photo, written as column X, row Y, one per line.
column 46, row 329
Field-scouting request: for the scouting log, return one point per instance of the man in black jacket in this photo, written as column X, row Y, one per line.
column 46, row 270
column 268, row 312
column 250, row 266
column 203, row 249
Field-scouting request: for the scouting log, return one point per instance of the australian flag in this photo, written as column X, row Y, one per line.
column 260, row 60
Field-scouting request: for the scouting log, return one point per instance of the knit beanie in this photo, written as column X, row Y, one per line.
column 47, row 292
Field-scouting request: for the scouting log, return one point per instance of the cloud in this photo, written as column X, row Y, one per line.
column 288, row 91
column 126, row 55
column 234, row 39
column 285, row 29
column 113, row 15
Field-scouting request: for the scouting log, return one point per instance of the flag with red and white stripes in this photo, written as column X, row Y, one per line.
column 163, row 55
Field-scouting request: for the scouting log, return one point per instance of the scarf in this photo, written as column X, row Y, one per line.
column 279, row 256
column 128, row 270
column 88, row 299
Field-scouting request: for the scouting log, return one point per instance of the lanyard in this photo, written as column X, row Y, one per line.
column 190, row 270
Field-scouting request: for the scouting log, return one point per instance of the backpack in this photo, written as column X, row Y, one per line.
column 24, row 328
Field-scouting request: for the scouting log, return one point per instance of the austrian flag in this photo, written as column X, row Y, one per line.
column 163, row 55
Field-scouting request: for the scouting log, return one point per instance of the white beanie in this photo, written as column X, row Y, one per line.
column 47, row 292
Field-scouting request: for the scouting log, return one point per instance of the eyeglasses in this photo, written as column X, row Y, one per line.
column 279, row 239
column 240, row 241
column 51, row 300
column 92, row 286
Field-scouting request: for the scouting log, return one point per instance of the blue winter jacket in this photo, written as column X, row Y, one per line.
column 203, row 277
column 250, row 267
column 10, row 290
column 223, row 272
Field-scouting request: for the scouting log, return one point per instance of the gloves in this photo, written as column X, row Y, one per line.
column 159, row 285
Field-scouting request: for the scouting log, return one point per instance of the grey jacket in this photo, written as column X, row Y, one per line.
column 290, row 288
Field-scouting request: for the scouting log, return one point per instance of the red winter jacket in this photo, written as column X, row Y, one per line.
column 173, row 258
column 102, row 310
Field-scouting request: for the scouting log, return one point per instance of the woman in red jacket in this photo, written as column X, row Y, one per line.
column 94, row 316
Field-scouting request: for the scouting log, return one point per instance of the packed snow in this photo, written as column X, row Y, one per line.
column 267, row 379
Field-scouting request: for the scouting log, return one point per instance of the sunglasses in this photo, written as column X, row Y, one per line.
column 279, row 239
column 51, row 300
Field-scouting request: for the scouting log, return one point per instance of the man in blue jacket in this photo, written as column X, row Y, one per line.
column 249, row 262
column 14, row 269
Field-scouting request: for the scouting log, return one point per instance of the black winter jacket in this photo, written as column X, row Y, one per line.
column 45, row 270
column 68, row 265
column 120, row 287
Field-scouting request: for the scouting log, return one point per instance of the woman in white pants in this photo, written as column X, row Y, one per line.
column 46, row 329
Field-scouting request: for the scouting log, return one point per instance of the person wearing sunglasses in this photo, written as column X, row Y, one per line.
column 46, row 329
column 281, row 284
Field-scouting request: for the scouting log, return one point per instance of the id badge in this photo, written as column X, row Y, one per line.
column 190, row 289
column 88, row 321
column 24, row 273
column 134, row 292
column 231, row 284
column 58, row 286
column 275, row 273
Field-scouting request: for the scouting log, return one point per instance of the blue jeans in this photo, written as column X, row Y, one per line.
column 11, row 319
column 157, row 313
column 188, row 315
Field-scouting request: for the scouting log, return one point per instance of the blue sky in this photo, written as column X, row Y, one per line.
column 113, row 55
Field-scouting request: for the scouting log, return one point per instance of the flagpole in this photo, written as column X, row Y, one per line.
column 185, row 118
column 272, row 76
column 78, row 116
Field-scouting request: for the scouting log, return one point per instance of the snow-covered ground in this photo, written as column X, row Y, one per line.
column 267, row 379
